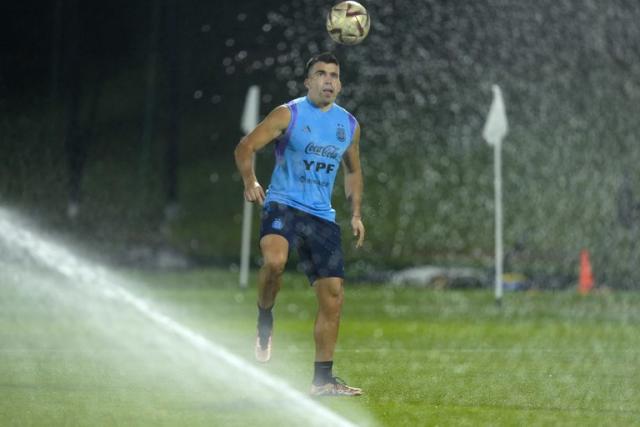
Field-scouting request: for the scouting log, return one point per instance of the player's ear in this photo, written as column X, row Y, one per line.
column 306, row 83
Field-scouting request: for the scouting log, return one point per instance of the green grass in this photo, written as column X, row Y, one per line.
column 71, row 357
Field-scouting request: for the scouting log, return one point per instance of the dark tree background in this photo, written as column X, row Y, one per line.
column 118, row 122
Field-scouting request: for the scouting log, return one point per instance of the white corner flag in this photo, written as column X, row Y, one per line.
column 248, row 122
column 496, row 126
column 251, row 109
column 495, row 129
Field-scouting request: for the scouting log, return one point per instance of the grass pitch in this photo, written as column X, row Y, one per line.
column 423, row 357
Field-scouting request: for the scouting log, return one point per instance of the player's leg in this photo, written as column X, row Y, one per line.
column 330, row 294
column 323, row 251
column 275, row 251
column 275, row 233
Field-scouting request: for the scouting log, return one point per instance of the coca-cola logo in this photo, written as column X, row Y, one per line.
column 328, row 151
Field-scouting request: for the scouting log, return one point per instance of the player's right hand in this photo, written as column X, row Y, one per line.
column 254, row 193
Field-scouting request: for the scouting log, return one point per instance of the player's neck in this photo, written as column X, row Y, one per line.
column 316, row 104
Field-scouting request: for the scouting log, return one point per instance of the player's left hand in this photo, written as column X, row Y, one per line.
column 358, row 230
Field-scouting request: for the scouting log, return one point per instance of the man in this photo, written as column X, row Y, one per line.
column 313, row 136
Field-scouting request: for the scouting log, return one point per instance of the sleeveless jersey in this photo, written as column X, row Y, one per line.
column 308, row 157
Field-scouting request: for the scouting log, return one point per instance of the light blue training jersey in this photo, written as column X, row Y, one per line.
column 308, row 157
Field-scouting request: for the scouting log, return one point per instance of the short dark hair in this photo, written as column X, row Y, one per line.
column 326, row 57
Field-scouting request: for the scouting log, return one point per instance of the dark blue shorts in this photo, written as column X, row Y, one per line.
column 317, row 240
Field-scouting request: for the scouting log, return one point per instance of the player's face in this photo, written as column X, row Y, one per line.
column 323, row 83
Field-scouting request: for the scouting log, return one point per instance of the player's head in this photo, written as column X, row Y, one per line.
column 326, row 57
column 323, row 79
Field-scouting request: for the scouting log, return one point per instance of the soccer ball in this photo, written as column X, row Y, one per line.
column 348, row 22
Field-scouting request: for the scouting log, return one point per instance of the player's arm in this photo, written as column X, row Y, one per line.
column 353, row 185
column 269, row 129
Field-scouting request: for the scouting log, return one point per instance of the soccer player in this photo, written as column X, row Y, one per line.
column 313, row 136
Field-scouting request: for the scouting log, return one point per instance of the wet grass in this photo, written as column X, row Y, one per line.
column 422, row 357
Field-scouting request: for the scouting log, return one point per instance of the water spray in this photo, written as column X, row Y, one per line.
column 57, row 257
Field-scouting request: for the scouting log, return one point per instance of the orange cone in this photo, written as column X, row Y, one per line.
column 586, row 275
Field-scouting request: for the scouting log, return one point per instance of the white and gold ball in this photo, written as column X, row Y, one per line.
column 348, row 22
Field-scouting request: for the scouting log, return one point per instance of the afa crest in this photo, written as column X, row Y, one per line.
column 340, row 133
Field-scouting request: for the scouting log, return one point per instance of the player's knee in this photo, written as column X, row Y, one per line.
column 333, row 287
column 275, row 264
column 336, row 291
column 333, row 296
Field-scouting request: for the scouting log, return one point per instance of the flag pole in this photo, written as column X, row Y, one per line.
column 248, row 123
column 497, row 172
column 495, row 129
